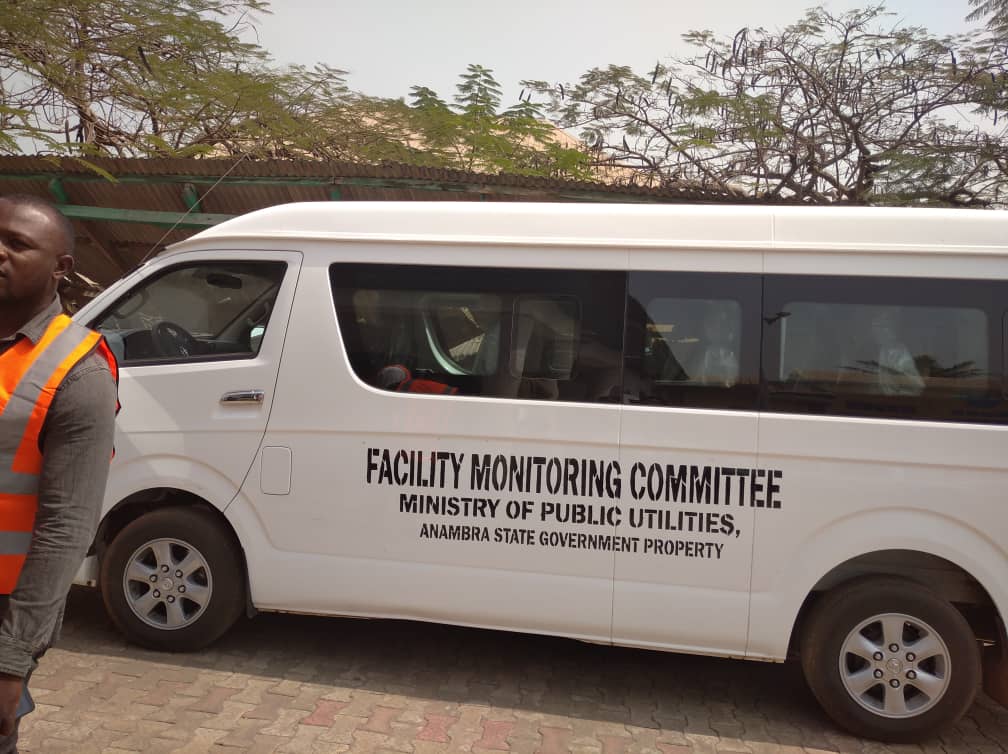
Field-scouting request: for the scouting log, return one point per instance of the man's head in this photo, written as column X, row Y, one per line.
column 36, row 251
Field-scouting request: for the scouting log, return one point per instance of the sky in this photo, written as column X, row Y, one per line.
column 390, row 45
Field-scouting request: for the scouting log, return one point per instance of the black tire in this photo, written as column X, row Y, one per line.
column 843, row 610
column 217, row 584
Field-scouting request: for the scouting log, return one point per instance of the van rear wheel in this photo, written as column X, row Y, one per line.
column 889, row 659
column 173, row 579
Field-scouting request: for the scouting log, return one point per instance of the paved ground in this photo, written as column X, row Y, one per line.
column 294, row 684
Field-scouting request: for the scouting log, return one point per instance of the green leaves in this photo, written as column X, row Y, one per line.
column 137, row 78
column 104, row 76
column 475, row 134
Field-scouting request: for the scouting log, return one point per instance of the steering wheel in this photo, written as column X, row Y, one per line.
column 171, row 339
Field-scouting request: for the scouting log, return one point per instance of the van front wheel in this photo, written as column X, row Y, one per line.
column 889, row 659
column 173, row 579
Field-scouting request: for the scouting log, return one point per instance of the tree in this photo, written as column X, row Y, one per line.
column 135, row 78
column 995, row 11
column 138, row 78
column 832, row 108
column 130, row 77
column 475, row 134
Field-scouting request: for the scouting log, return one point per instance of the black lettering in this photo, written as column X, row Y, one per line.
column 401, row 476
column 654, row 482
column 570, row 484
column 727, row 524
column 500, row 472
column 756, row 487
column 675, row 483
column 516, row 474
column 538, row 462
column 385, row 469
column 700, row 484
column 554, row 472
column 479, row 472
column 613, row 480
column 636, row 491
column 727, row 472
column 407, row 503
column 772, row 488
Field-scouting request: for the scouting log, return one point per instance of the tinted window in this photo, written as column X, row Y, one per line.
column 535, row 334
column 906, row 348
column 199, row 311
column 693, row 339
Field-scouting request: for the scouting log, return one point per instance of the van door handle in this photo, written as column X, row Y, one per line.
column 243, row 396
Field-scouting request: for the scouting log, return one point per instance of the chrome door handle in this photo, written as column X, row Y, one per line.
column 243, row 396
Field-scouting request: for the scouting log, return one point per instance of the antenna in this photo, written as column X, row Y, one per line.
column 195, row 204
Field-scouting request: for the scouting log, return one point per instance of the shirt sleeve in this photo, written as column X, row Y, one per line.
column 76, row 445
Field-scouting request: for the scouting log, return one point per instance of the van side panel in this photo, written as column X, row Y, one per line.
column 687, row 586
column 884, row 404
column 688, row 445
column 383, row 517
column 855, row 486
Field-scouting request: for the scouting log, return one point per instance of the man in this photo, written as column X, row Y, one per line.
column 57, row 411
column 897, row 370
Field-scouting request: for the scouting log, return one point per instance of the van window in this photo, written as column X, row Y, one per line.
column 535, row 334
column 884, row 350
column 202, row 311
column 852, row 346
column 544, row 337
column 690, row 342
column 693, row 341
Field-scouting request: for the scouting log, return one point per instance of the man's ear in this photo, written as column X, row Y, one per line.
column 64, row 266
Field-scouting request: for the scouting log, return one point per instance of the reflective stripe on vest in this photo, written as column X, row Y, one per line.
column 30, row 374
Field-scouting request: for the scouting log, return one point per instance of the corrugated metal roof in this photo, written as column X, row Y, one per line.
column 107, row 248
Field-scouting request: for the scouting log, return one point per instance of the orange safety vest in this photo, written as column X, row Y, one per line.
column 30, row 374
column 397, row 377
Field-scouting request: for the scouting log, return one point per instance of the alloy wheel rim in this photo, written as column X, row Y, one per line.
column 895, row 665
column 167, row 584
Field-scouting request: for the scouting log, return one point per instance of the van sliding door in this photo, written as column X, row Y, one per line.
column 688, row 450
column 453, row 434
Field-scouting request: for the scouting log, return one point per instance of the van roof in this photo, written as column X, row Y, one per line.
column 617, row 225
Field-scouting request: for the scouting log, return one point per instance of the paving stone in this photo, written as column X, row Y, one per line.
column 554, row 740
column 140, row 735
column 243, row 734
column 213, row 701
column 342, row 729
column 200, row 741
column 69, row 691
column 281, row 685
column 269, row 708
column 324, row 713
column 286, row 723
column 666, row 748
column 495, row 735
column 436, row 728
column 162, row 692
column 380, row 720
column 615, row 744
column 304, row 741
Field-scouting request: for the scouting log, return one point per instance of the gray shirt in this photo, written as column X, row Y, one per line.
column 76, row 445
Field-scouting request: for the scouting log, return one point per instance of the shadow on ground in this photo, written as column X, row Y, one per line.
column 734, row 698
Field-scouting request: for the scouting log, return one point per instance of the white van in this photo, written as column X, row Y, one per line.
column 736, row 431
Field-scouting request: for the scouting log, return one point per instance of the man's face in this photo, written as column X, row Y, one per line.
column 33, row 256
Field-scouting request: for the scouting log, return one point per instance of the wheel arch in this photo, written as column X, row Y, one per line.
column 134, row 506
column 871, row 543
column 945, row 578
